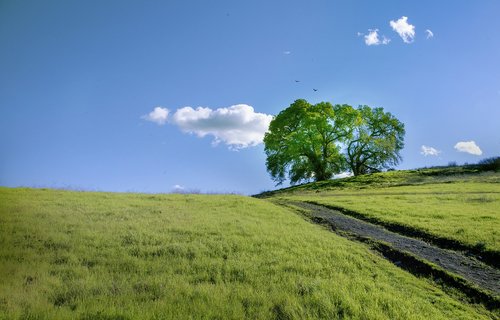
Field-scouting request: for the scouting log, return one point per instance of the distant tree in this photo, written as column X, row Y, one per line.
column 302, row 141
column 488, row 164
column 376, row 141
column 305, row 141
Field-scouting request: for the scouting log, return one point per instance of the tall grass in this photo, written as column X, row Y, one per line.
column 78, row 255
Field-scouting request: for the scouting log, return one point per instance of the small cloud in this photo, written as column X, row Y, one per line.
column 178, row 188
column 385, row 40
column 181, row 190
column 405, row 30
column 159, row 116
column 287, row 52
column 238, row 126
column 429, row 151
column 343, row 175
column 429, row 34
column 468, row 147
column 372, row 38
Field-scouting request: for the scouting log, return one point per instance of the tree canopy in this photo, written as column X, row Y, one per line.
column 307, row 141
column 376, row 141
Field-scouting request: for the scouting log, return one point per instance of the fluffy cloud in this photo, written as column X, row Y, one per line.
column 237, row 126
column 372, row 38
column 159, row 115
column 469, row 147
column 429, row 151
column 405, row 30
column 429, row 33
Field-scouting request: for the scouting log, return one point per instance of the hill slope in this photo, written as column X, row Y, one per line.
column 456, row 204
column 119, row 256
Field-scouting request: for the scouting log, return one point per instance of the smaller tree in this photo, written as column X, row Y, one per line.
column 376, row 141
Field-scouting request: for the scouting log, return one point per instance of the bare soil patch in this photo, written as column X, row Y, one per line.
column 400, row 249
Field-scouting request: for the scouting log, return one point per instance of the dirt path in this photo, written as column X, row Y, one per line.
column 482, row 275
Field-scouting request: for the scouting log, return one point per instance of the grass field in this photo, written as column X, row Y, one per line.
column 465, row 208
column 78, row 255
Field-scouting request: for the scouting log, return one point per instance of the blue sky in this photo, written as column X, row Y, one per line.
column 80, row 80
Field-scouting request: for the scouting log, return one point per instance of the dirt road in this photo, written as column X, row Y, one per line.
column 472, row 270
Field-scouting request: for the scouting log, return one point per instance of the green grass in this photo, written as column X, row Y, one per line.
column 77, row 255
column 464, row 208
column 393, row 179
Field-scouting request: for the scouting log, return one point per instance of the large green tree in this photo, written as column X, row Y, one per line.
column 302, row 141
column 307, row 141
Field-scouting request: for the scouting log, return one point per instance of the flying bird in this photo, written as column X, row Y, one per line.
column 315, row 90
column 297, row 80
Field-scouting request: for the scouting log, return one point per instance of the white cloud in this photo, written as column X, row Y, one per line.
column 343, row 175
column 429, row 151
column 237, row 126
column 178, row 188
column 372, row 38
column 159, row 115
column 429, row 33
column 469, row 147
column 405, row 30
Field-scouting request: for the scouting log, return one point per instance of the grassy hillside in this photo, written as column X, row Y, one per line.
column 394, row 179
column 74, row 255
column 456, row 203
